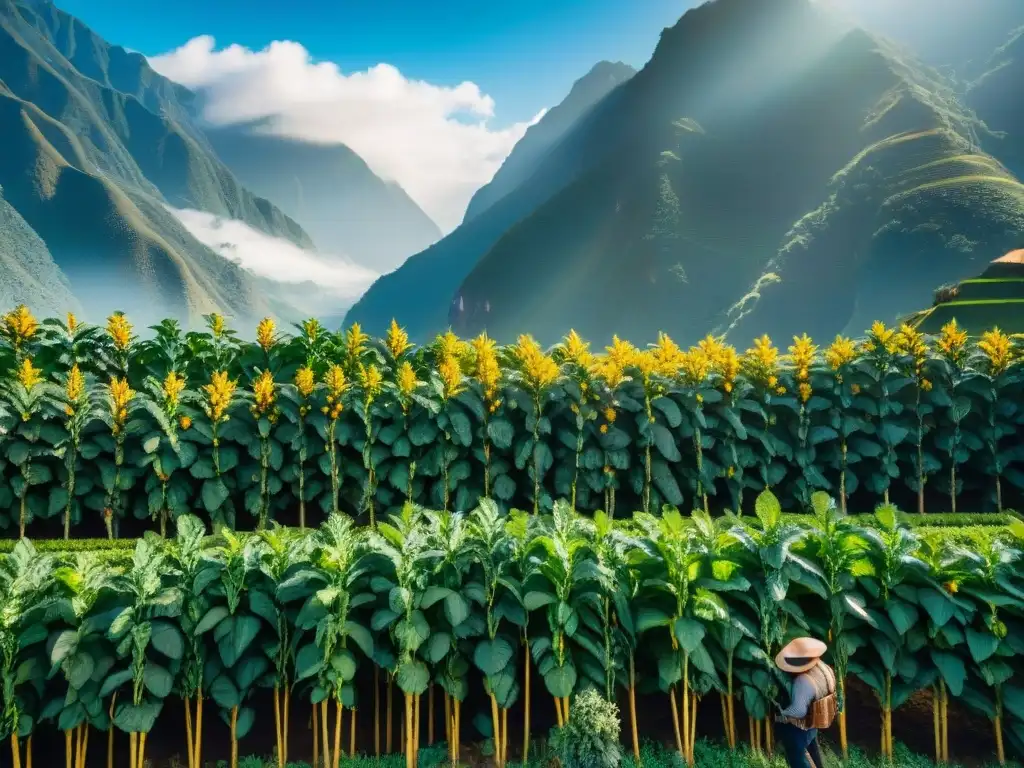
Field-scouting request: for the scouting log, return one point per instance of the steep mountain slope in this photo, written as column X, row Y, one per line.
column 91, row 169
column 755, row 183
column 530, row 151
column 958, row 34
column 998, row 97
column 332, row 193
column 421, row 290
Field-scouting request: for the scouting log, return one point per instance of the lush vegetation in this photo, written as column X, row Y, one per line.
column 521, row 605
column 96, row 424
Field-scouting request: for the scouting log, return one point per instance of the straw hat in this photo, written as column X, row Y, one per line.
column 800, row 655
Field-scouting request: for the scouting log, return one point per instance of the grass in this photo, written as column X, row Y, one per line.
column 707, row 754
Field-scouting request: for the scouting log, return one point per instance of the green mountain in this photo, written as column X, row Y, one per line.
column 998, row 98
column 97, row 146
column 541, row 138
column 422, row 289
column 332, row 193
column 747, row 181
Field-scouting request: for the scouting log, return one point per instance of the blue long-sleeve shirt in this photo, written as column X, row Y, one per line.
column 812, row 685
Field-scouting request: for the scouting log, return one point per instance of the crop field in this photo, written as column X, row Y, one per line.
column 350, row 539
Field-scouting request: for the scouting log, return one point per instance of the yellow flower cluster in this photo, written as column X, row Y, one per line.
column 219, row 394
column 761, row 364
column 667, row 357
column 486, row 369
column 120, row 331
column 802, row 354
column 998, row 349
column 841, row 352
column 576, row 351
column 217, row 325
column 311, row 328
column 20, row 325
column 74, row 388
column 451, row 376
column 539, row 370
column 881, row 338
column 264, row 395
column 184, row 422
column 911, row 342
column 265, row 331
column 172, row 388
column 724, row 360
column 397, row 340
column 695, row 366
column 371, row 380
column 355, row 341
column 450, row 345
column 72, row 322
column 29, row 375
column 406, row 381
column 952, row 343
column 120, row 397
column 305, row 381
column 337, row 385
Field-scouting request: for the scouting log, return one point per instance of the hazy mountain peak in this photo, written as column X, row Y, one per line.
column 586, row 92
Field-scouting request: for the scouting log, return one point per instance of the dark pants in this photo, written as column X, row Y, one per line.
column 801, row 746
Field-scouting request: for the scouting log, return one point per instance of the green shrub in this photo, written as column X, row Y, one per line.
column 591, row 737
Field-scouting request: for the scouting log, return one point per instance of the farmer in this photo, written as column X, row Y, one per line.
column 812, row 703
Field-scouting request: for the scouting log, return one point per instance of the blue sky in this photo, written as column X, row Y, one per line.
column 525, row 54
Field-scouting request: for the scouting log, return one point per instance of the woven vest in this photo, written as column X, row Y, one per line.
column 822, row 711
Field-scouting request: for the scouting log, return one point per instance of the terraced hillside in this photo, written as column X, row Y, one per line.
column 91, row 168
column 993, row 299
column 750, row 183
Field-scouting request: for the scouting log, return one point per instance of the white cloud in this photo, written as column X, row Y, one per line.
column 436, row 141
column 275, row 258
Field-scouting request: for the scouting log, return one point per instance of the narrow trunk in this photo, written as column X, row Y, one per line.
column 85, row 746
column 843, row 744
column 199, row 731
column 693, row 725
column 72, row 454
column 28, row 750
column 189, row 738
column 842, row 480
column 287, row 717
column 632, row 711
column 409, row 758
column 234, row 737
column 133, row 750
column 352, row 736
column 279, row 731
column 15, row 751
column 675, row 722
column 504, row 736
column 68, row 749
column 937, row 728
column 999, row 494
column 336, row 753
column 142, row 752
column 945, row 723
column 324, row 729
column 558, row 713
column 448, row 725
column 416, row 730
column 526, row 706
column 732, row 713
column 998, row 724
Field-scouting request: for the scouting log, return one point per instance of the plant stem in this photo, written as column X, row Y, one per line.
column 279, row 732
column 110, row 734
column 352, row 736
column 430, row 716
column 287, row 717
column 234, row 739
column 315, row 722
column 190, row 745
column 199, row 730
column 409, row 759
column 632, row 711
column 133, row 749
column 675, row 721
column 323, row 730
column 526, row 703
column 936, row 705
column 338, row 711
column 843, row 745
column 15, row 751
column 388, row 725
column 376, row 711
column 142, row 752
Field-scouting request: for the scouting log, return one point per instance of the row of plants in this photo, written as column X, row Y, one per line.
column 96, row 423
column 428, row 606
